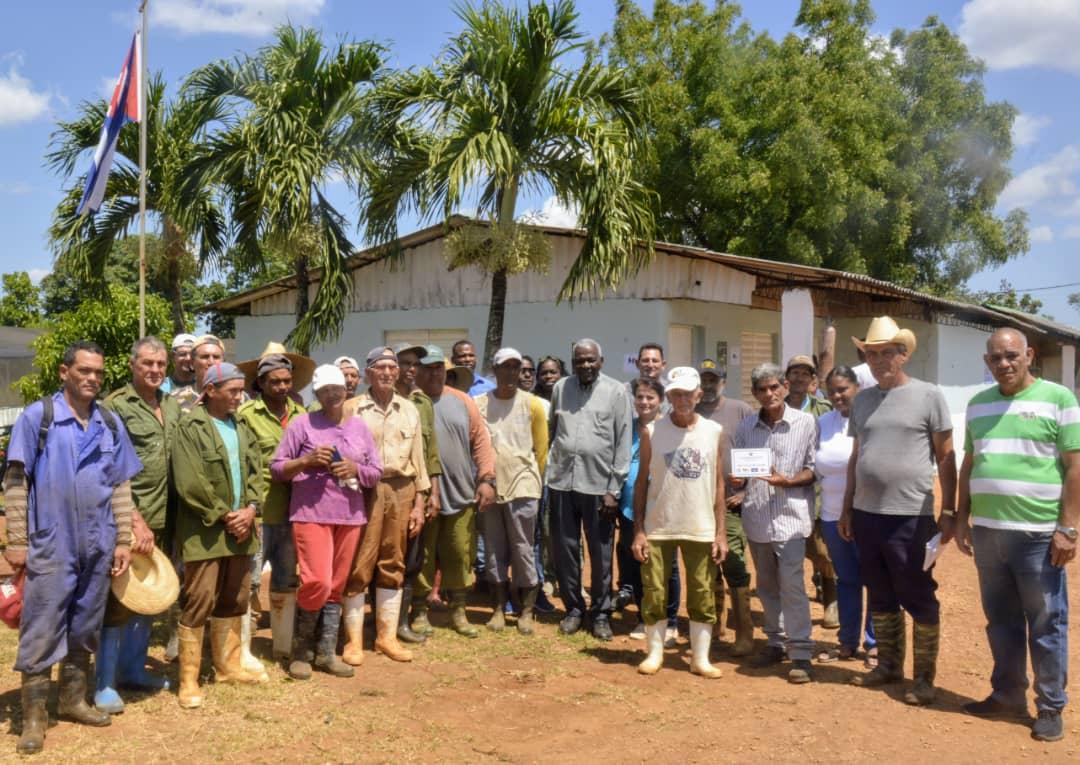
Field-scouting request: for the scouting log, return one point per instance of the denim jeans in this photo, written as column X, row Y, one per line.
column 1024, row 597
column 279, row 551
column 849, row 588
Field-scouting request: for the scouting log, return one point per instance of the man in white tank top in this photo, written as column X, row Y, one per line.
column 679, row 505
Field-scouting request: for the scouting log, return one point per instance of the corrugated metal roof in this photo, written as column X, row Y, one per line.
column 429, row 286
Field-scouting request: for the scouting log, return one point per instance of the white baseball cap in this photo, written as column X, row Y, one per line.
column 346, row 361
column 683, row 378
column 327, row 374
column 184, row 339
column 506, row 354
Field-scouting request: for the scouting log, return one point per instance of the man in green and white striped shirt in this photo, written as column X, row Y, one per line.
column 1020, row 493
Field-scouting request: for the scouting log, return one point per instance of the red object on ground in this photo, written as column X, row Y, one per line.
column 11, row 599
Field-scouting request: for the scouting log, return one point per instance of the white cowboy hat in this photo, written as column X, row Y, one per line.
column 883, row 330
column 150, row 584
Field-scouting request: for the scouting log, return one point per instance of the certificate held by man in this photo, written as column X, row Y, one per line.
column 751, row 463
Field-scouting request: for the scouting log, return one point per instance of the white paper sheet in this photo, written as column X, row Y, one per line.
column 751, row 463
column 933, row 550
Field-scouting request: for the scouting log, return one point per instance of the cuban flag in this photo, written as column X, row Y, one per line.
column 123, row 108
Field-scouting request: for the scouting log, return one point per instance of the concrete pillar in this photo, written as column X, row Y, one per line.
column 796, row 324
column 1068, row 366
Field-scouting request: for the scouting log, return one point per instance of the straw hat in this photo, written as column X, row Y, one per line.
column 150, row 585
column 883, row 330
column 303, row 368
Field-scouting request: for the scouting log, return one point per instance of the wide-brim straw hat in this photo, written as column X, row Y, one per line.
column 150, row 584
column 883, row 330
column 458, row 377
column 303, row 368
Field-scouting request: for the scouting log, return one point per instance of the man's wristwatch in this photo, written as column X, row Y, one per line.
column 948, row 512
column 1069, row 531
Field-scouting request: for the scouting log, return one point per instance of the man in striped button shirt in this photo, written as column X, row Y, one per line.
column 777, row 518
column 1022, row 448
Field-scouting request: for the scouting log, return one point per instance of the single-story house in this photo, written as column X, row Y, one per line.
column 16, row 360
column 697, row 303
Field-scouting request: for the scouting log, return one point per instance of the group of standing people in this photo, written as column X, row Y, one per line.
column 433, row 475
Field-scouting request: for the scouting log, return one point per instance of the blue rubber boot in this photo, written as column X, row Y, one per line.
column 131, row 670
column 105, row 696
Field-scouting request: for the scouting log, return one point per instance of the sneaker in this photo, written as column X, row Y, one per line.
column 773, row 654
column 638, row 633
column 543, row 605
column 570, row 624
column 991, row 707
column 671, row 636
column 1048, row 726
column 800, row 672
column 622, row 599
column 601, row 629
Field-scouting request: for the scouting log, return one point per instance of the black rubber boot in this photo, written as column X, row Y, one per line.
column 528, row 603
column 302, row 643
column 405, row 633
column 325, row 657
column 72, row 702
column 35, row 695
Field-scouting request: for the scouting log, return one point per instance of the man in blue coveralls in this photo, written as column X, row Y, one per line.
column 69, row 525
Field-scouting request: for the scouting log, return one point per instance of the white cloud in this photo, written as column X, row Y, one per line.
column 1008, row 34
column 37, row 274
column 1072, row 232
column 553, row 213
column 1026, row 127
column 1053, row 180
column 1042, row 234
column 242, row 17
column 19, row 102
column 15, row 188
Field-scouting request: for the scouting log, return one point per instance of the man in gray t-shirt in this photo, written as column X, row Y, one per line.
column 901, row 429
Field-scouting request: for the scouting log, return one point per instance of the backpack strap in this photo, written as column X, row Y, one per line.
column 46, row 422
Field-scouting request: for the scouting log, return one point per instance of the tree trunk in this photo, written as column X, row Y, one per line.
column 302, row 302
column 496, row 313
column 174, row 253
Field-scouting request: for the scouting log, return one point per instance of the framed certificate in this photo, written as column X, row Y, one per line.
column 751, row 463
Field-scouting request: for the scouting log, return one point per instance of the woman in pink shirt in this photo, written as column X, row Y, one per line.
column 329, row 459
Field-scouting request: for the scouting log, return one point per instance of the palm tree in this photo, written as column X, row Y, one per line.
column 191, row 225
column 500, row 113
column 294, row 123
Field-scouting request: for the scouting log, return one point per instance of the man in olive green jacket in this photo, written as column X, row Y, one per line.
column 217, row 468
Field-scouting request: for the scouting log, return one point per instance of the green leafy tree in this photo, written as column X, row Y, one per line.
column 506, row 108
column 185, row 214
column 292, row 120
column 20, row 305
column 111, row 321
column 1006, row 296
column 829, row 147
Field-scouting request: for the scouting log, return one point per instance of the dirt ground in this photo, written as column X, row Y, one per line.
column 507, row 698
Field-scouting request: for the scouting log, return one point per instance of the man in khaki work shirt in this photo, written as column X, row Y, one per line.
column 396, row 512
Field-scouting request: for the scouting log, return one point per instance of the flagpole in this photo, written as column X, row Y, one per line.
column 142, row 170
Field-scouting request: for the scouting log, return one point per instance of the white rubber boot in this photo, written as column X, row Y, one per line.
column 654, row 645
column 352, row 609
column 700, row 640
column 282, row 622
column 250, row 664
column 387, row 611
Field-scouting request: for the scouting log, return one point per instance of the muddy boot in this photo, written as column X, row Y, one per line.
column 303, row 643
column 889, row 633
column 420, row 623
column 527, row 596
column 500, row 593
column 744, row 623
column 831, row 619
column 190, row 642
column 352, row 610
column 251, row 665
column 282, row 622
column 387, row 611
column 718, row 595
column 404, row 633
column 700, row 640
column 35, row 716
column 72, row 700
column 325, row 657
column 924, row 650
column 225, row 647
column 459, row 619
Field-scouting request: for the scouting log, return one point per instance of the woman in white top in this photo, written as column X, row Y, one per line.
column 679, row 506
column 831, row 464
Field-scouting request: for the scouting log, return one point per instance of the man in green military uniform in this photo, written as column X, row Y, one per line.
column 217, row 468
column 150, row 417
column 408, row 357
column 268, row 416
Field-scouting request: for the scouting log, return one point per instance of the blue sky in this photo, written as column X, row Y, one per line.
column 54, row 55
